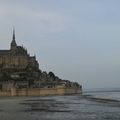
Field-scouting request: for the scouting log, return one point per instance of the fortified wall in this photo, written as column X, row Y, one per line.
column 41, row 91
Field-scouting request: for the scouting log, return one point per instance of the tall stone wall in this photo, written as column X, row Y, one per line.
column 40, row 92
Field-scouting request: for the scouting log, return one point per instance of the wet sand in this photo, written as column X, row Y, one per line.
column 74, row 107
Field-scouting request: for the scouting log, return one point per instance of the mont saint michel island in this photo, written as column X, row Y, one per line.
column 20, row 75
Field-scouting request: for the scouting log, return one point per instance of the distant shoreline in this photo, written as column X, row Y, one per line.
column 101, row 90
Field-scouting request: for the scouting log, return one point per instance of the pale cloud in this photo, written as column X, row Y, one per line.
column 2, row 16
column 47, row 19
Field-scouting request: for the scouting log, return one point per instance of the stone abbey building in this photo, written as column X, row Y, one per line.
column 20, row 70
column 17, row 57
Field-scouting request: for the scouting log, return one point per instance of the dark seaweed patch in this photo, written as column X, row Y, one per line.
column 45, row 105
column 106, row 101
column 45, row 110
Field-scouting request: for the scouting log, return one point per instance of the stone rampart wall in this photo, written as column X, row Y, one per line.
column 40, row 91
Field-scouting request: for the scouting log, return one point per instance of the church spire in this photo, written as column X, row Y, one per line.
column 13, row 43
column 13, row 34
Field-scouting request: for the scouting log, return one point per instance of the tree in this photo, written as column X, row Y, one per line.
column 51, row 74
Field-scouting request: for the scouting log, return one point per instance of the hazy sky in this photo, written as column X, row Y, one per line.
column 78, row 40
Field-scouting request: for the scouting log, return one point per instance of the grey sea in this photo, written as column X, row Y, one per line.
column 104, row 105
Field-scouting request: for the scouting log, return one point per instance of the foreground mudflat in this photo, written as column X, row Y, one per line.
column 74, row 107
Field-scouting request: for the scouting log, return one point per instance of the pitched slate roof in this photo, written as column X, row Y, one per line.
column 3, row 52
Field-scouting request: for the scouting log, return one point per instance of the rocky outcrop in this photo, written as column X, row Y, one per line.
column 20, row 70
